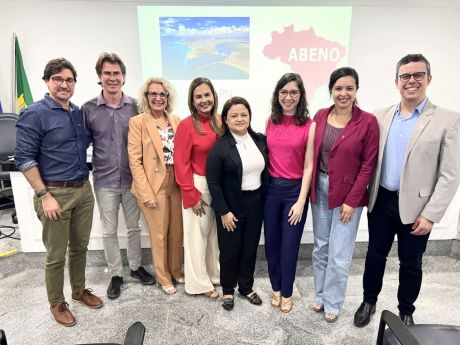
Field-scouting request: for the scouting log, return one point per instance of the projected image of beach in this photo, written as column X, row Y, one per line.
column 215, row 47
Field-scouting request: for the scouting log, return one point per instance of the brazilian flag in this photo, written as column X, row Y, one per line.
column 23, row 94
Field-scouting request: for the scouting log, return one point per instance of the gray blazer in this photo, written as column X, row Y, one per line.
column 431, row 170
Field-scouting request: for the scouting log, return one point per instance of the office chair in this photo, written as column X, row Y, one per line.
column 7, row 144
column 2, row 338
column 7, row 135
column 134, row 336
column 422, row 334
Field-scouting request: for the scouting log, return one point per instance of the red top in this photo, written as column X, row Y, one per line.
column 190, row 153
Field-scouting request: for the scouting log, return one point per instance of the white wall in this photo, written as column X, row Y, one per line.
column 380, row 35
column 382, row 32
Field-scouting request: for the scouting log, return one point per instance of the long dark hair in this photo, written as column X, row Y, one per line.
column 230, row 103
column 301, row 116
column 215, row 124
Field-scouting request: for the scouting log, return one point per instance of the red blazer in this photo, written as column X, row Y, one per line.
column 352, row 159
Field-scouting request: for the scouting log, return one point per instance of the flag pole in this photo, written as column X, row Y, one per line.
column 13, row 79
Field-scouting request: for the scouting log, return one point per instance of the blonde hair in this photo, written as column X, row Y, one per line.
column 143, row 103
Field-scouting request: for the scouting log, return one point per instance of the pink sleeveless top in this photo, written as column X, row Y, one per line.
column 286, row 143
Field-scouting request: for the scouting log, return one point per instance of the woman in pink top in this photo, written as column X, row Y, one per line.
column 194, row 138
column 290, row 136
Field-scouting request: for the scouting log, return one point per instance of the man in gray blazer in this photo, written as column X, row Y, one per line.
column 417, row 175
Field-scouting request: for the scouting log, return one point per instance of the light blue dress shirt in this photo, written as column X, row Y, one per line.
column 396, row 145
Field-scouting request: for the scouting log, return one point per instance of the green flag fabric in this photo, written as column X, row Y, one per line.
column 23, row 94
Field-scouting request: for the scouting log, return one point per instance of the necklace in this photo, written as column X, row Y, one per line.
column 161, row 124
column 338, row 121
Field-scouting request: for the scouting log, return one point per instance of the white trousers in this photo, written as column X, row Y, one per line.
column 201, row 252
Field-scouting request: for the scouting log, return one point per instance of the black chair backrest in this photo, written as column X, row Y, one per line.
column 135, row 334
column 402, row 335
column 7, row 135
column 2, row 338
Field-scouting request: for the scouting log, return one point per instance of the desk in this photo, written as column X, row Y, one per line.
column 30, row 227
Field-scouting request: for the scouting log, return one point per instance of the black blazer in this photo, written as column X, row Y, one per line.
column 224, row 174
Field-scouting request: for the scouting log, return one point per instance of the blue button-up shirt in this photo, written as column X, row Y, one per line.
column 396, row 145
column 52, row 138
column 107, row 129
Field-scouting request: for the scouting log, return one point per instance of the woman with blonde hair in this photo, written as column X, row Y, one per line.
column 151, row 157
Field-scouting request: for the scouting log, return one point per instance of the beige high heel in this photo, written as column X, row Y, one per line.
column 276, row 300
column 286, row 305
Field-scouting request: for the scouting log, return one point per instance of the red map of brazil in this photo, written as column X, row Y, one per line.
column 307, row 54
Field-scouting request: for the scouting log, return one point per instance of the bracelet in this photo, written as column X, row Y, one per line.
column 42, row 192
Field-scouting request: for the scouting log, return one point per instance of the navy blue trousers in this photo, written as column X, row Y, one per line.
column 384, row 223
column 282, row 240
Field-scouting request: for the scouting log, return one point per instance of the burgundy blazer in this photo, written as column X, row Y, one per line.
column 352, row 159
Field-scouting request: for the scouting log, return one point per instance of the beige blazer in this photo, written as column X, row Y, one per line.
column 431, row 170
column 146, row 158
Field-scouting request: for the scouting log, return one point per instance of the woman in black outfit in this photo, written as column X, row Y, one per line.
column 237, row 176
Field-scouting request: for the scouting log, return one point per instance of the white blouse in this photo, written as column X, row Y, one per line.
column 252, row 161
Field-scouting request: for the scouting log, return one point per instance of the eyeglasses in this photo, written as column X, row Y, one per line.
column 293, row 93
column 418, row 76
column 59, row 81
column 154, row 94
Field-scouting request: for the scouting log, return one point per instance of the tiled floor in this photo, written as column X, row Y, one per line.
column 185, row 319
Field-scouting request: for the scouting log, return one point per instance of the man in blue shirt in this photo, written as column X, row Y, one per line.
column 417, row 175
column 106, row 120
column 51, row 152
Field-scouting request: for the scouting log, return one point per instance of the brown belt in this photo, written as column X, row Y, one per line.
column 65, row 184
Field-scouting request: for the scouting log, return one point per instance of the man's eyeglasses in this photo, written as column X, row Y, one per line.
column 293, row 93
column 59, row 81
column 154, row 94
column 418, row 76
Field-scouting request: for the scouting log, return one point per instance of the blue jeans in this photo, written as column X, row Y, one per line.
column 333, row 250
column 282, row 240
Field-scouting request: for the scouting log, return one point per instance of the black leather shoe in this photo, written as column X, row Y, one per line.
column 253, row 298
column 408, row 320
column 228, row 303
column 363, row 314
column 114, row 288
column 141, row 274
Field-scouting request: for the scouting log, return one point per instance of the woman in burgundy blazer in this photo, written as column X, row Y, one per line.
column 345, row 149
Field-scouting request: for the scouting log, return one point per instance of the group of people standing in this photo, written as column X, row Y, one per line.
column 208, row 183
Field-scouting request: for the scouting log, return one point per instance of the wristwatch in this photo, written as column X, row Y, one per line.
column 42, row 192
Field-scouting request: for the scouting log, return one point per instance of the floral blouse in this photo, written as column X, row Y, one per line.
column 167, row 139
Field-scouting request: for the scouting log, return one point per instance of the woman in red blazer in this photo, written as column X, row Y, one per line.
column 346, row 150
